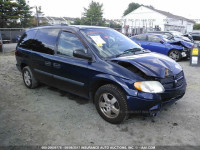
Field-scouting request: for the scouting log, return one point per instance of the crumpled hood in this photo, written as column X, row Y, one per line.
column 183, row 43
column 152, row 64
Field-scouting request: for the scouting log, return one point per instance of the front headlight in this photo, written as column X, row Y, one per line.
column 149, row 86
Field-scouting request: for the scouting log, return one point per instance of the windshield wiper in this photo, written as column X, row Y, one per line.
column 132, row 50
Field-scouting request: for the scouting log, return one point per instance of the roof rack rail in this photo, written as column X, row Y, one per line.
column 45, row 25
column 62, row 24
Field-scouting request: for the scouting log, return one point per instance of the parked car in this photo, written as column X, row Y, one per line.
column 160, row 44
column 100, row 64
column 196, row 36
column 16, row 39
column 175, row 35
column 5, row 38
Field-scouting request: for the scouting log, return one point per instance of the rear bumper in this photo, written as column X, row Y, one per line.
column 18, row 67
column 152, row 103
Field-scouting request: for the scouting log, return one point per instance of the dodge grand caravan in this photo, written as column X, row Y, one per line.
column 101, row 64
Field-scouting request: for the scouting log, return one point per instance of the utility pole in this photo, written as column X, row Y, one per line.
column 37, row 15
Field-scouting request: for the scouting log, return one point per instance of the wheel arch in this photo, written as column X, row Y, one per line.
column 23, row 65
column 100, row 82
column 173, row 50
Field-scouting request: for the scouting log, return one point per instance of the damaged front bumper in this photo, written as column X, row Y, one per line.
column 152, row 103
column 186, row 52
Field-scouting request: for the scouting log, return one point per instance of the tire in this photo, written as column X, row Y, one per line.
column 111, row 104
column 175, row 55
column 28, row 78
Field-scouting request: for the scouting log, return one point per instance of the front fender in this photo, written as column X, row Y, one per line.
column 125, row 84
column 177, row 47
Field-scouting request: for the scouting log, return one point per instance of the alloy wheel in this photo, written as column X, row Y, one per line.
column 27, row 78
column 109, row 105
column 174, row 55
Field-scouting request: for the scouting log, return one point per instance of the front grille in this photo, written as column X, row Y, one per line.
column 168, row 86
column 173, row 81
column 179, row 75
column 167, row 80
column 179, row 82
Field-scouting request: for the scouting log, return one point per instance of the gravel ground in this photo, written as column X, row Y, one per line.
column 47, row 116
column 9, row 47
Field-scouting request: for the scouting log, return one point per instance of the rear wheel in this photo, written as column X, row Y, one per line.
column 111, row 104
column 175, row 55
column 28, row 77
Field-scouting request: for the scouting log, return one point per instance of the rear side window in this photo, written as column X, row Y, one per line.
column 27, row 39
column 45, row 40
column 140, row 37
column 68, row 42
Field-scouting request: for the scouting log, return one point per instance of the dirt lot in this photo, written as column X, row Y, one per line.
column 47, row 116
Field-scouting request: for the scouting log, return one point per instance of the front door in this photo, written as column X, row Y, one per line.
column 70, row 73
column 154, row 44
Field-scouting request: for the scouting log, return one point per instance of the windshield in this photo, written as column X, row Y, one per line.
column 176, row 33
column 167, row 37
column 180, row 35
column 110, row 43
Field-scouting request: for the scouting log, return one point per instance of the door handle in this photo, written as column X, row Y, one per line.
column 47, row 63
column 56, row 65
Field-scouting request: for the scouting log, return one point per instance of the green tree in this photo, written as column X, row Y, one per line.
column 196, row 27
column 77, row 21
column 24, row 13
column 113, row 24
column 131, row 7
column 14, row 13
column 8, row 13
column 93, row 15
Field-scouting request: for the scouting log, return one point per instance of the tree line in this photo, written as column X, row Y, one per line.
column 17, row 13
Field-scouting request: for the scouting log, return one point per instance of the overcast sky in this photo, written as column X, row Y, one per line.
column 113, row 9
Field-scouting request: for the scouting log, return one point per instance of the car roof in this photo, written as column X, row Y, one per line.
column 65, row 26
column 160, row 32
column 150, row 34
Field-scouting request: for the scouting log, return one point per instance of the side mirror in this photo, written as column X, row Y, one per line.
column 162, row 42
column 79, row 53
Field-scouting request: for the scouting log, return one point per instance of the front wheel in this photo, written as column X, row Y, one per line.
column 111, row 104
column 175, row 55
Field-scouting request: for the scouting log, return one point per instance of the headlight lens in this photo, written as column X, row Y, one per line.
column 149, row 86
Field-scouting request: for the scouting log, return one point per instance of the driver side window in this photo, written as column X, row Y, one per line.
column 67, row 43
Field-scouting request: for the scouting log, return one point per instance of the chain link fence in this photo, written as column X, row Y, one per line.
column 9, row 38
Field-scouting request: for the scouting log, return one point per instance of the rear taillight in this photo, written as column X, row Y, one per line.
column 15, row 52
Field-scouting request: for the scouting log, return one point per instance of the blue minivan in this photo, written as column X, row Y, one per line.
column 100, row 64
